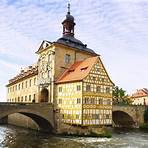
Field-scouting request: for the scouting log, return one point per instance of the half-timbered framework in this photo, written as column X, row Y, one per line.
column 84, row 94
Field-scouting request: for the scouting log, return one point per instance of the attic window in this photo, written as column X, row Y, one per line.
column 71, row 70
column 84, row 68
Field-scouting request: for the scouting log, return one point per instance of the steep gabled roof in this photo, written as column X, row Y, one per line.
column 44, row 45
column 78, row 71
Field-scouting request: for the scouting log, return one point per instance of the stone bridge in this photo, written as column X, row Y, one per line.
column 44, row 116
column 42, row 113
column 128, row 115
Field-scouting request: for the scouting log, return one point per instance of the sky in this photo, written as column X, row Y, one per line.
column 115, row 29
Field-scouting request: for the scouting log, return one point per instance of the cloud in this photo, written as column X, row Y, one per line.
column 116, row 29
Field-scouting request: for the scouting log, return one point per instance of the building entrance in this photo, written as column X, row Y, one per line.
column 44, row 95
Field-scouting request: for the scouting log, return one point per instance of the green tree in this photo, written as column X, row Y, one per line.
column 146, row 116
column 120, row 96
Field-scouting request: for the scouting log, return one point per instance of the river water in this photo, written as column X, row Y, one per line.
column 14, row 137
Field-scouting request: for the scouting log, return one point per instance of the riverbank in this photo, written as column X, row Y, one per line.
column 144, row 126
column 101, row 133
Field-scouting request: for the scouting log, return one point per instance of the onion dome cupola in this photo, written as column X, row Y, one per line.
column 68, row 38
column 68, row 24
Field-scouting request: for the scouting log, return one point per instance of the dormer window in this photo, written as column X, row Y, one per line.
column 71, row 70
column 84, row 68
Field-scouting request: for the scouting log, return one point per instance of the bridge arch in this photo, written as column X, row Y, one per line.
column 40, row 119
column 122, row 119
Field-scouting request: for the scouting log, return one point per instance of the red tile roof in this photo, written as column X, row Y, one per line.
column 23, row 74
column 140, row 93
column 78, row 71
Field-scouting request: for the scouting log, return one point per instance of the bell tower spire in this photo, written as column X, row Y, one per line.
column 68, row 8
column 68, row 24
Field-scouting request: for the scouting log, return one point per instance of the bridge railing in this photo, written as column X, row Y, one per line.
column 22, row 103
column 129, row 105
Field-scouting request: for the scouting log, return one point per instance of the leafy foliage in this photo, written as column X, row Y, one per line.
column 120, row 96
column 146, row 116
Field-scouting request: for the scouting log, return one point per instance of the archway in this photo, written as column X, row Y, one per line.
column 43, row 124
column 44, row 95
column 122, row 119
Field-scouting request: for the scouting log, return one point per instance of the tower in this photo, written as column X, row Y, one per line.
column 68, row 24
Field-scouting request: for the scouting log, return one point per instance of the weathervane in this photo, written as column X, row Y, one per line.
column 68, row 6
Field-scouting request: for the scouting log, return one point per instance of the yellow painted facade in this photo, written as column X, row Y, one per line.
column 69, row 101
column 87, row 102
column 25, row 90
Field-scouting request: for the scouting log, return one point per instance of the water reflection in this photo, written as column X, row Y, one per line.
column 13, row 137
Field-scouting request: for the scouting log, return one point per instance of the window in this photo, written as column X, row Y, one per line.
column 49, row 58
column 67, row 58
column 97, row 116
column 34, row 81
column 107, row 90
column 100, row 101
column 22, row 85
column 16, row 87
column 18, row 99
column 19, row 86
column 92, row 100
column 78, row 87
column 94, row 78
column 97, row 69
column 26, row 98
column 107, row 116
column 108, row 102
column 34, row 97
column 60, row 101
column 22, row 99
column 30, row 82
column 78, row 100
column 98, row 89
column 77, row 116
column 60, row 89
column 87, row 87
column 13, row 88
column 86, row 100
column 29, row 97
column 26, row 84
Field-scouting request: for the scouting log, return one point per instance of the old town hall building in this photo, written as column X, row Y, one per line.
column 71, row 76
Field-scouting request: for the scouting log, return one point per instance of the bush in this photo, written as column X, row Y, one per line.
column 144, row 126
column 146, row 116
